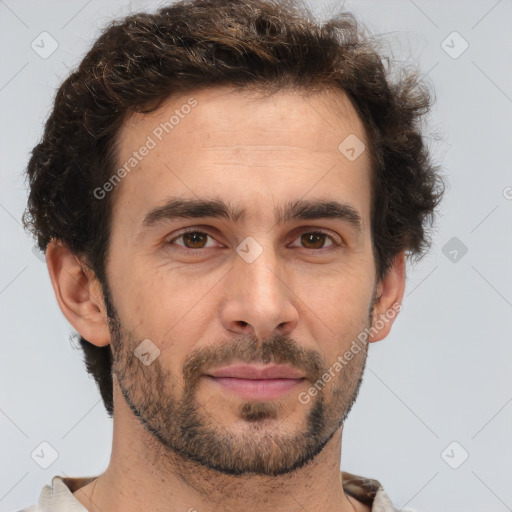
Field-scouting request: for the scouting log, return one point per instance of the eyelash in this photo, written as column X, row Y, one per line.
column 335, row 244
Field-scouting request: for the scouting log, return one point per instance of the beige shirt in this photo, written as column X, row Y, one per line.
column 59, row 497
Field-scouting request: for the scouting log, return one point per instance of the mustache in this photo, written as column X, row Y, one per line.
column 278, row 349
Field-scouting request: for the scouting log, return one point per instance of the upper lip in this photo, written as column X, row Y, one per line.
column 254, row 372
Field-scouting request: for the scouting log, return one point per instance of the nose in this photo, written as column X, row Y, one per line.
column 259, row 301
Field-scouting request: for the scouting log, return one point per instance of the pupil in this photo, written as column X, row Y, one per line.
column 310, row 238
column 194, row 235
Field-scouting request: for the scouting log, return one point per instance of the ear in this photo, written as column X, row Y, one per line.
column 78, row 294
column 388, row 301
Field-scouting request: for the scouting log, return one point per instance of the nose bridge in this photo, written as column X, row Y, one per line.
column 258, row 268
column 258, row 298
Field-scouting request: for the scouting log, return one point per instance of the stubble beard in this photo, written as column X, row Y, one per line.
column 183, row 427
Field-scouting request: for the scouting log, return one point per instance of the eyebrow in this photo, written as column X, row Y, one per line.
column 178, row 208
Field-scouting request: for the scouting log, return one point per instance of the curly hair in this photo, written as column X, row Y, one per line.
column 139, row 61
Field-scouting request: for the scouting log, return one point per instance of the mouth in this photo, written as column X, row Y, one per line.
column 256, row 383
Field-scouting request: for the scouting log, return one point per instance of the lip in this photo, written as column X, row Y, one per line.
column 256, row 383
column 249, row 371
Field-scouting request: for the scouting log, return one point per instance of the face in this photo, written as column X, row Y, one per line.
column 241, row 245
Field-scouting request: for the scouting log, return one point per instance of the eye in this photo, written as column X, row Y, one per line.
column 315, row 240
column 192, row 239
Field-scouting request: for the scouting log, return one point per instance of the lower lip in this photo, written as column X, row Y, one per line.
column 257, row 389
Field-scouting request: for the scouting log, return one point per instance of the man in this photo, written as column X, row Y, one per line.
column 226, row 192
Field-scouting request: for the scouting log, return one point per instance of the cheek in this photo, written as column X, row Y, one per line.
column 337, row 307
column 141, row 306
column 170, row 310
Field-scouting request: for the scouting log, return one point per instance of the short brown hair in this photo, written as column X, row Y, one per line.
column 140, row 61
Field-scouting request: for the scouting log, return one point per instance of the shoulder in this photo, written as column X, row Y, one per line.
column 59, row 495
column 368, row 492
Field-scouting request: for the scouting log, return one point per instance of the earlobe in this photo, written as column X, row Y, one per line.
column 389, row 295
column 78, row 294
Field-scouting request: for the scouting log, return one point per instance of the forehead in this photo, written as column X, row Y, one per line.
column 316, row 120
column 243, row 145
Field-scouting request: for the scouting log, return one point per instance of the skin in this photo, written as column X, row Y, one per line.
column 292, row 303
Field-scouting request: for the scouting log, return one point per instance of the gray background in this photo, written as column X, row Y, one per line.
column 442, row 376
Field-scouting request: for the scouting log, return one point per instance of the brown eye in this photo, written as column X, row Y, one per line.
column 192, row 240
column 314, row 240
